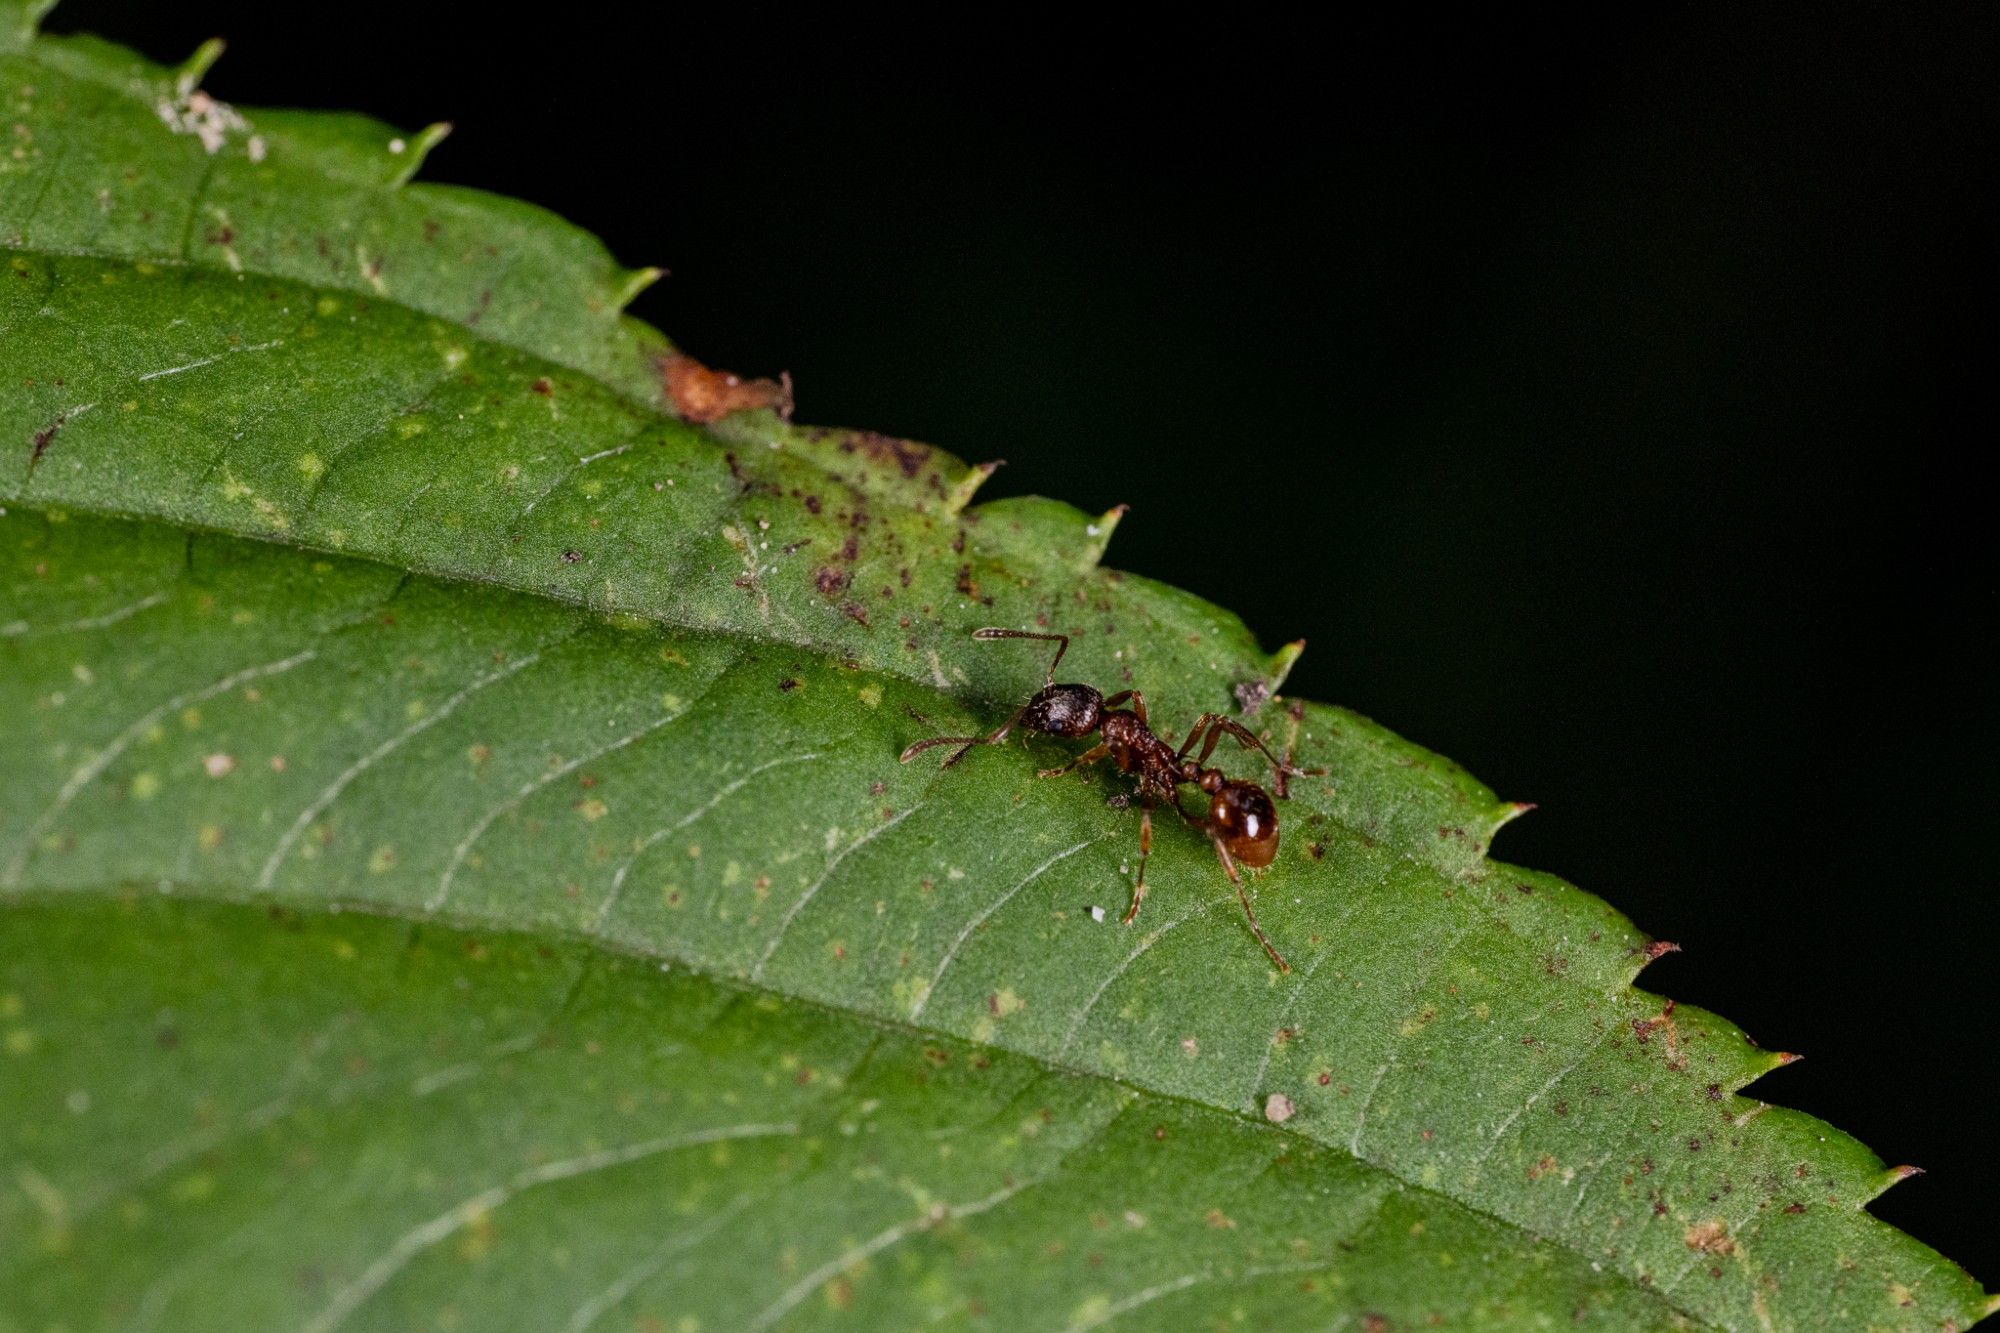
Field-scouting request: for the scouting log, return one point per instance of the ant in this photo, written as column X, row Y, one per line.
column 1240, row 820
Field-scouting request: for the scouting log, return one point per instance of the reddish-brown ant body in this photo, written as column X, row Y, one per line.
column 1240, row 821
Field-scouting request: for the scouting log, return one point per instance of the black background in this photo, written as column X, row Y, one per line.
column 1594, row 394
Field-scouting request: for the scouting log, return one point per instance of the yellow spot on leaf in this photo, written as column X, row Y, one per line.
column 477, row 1241
column 1710, row 1237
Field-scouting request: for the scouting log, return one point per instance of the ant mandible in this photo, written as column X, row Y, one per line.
column 1240, row 820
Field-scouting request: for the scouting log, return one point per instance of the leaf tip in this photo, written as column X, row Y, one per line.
column 1654, row 950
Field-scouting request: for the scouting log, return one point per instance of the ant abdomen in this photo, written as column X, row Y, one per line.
column 1242, row 819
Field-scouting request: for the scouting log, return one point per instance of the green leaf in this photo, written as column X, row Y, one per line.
column 457, row 866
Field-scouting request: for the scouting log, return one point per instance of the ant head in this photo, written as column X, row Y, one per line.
column 1242, row 818
column 1064, row 710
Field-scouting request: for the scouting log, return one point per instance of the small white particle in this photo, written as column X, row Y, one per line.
column 397, row 145
column 1097, row 914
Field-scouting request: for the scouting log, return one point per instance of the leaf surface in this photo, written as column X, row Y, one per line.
column 353, row 563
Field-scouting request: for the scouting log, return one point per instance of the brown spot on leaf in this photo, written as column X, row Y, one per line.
column 907, row 456
column 42, row 439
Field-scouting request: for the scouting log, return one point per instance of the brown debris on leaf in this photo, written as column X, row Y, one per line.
column 701, row 395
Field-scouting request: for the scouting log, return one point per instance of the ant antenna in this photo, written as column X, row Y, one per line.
column 1060, row 640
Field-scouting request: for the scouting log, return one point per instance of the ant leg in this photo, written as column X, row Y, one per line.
column 1088, row 757
column 1229, row 866
column 963, row 743
column 1202, row 724
column 1218, row 725
column 1145, row 850
column 1060, row 640
column 1137, row 700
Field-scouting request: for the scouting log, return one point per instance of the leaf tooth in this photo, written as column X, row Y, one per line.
column 189, row 74
column 635, row 281
column 1652, row 951
column 962, row 491
column 1281, row 664
column 32, row 15
column 1097, row 535
column 414, row 150
column 1887, row 1181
